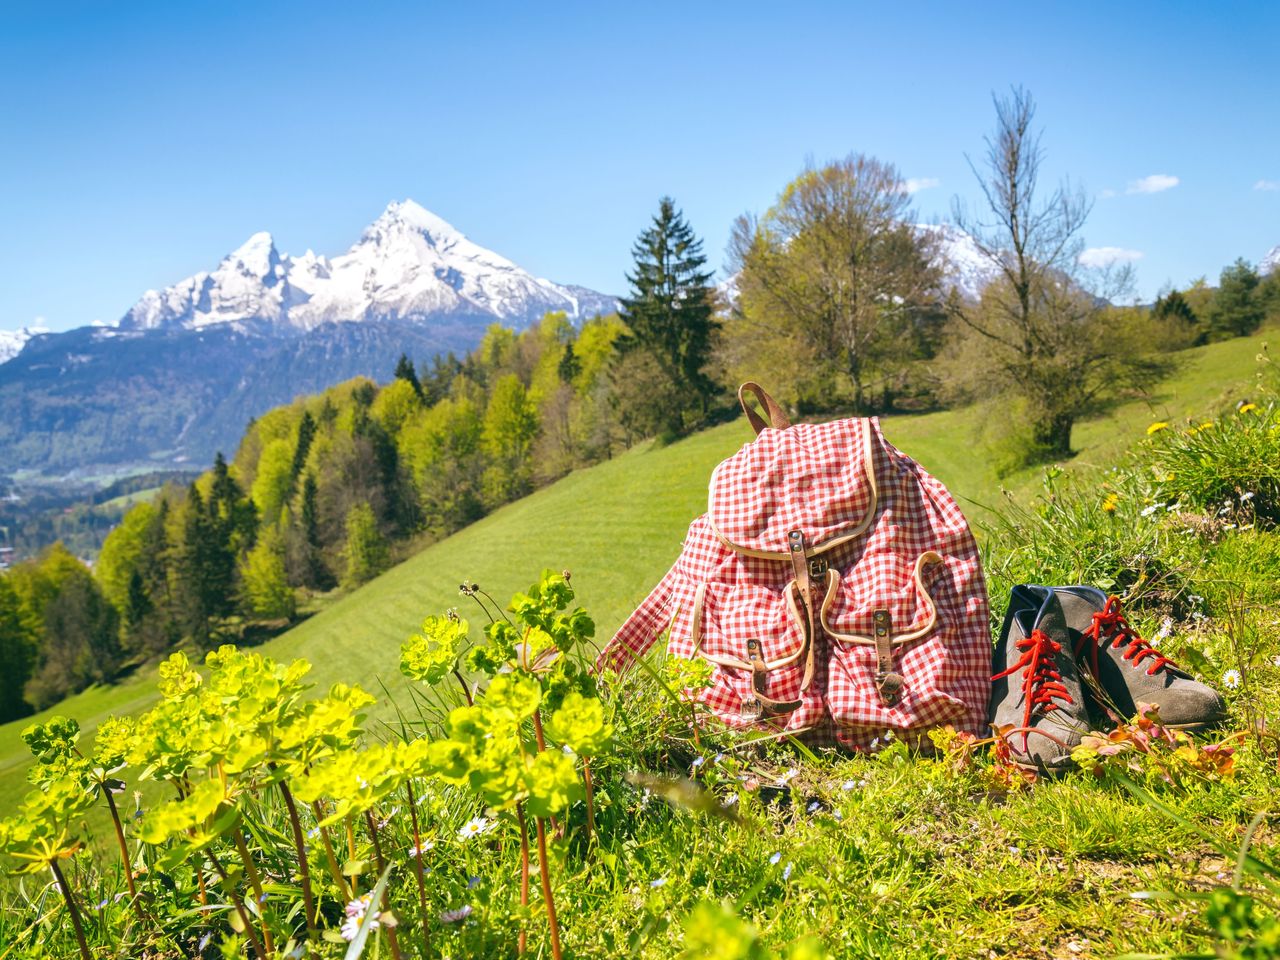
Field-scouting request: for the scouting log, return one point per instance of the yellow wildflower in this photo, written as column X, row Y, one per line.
column 1248, row 407
column 1110, row 502
column 1206, row 425
column 1156, row 427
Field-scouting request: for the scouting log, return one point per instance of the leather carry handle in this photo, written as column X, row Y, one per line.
column 778, row 419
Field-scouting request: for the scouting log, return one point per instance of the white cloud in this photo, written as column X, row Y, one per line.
column 1108, row 256
column 1267, row 185
column 1155, row 183
column 1106, row 194
column 915, row 184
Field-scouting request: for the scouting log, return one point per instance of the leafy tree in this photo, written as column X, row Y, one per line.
column 273, row 483
column 442, row 452
column 510, row 426
column 17, row 654
column 397, row 403
column 669, row 313
column 366, row 551
column 265, row 584
column 1041, row 341
column 837, row 290
column 122, row 553
column 80, row 643
column 405, row 372
column 1236, row 310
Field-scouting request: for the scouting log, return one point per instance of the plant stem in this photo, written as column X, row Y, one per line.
column 351, row 853
column 124, row 847
column 392, row 941
column 417, row 865
column 304, row 872
column 334, row 871
column 71, row 908
column 239, row 905
column 524, row 874
column 545, row 870
column 256, row 881
column 542, row 745
column 591, row 808
column 466, row 691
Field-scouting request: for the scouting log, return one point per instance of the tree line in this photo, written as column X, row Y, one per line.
column 839, row 299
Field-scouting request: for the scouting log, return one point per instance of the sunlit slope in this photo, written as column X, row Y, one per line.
column 618, row 526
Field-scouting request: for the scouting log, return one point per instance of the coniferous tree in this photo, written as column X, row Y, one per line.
column 670, row 313
column 405, row 372
column 306, row 434
column 1236, row 310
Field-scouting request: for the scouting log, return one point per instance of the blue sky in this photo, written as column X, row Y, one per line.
column 139, row 143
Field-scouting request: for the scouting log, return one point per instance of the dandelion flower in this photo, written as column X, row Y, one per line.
column 1231, row 679
column 456, row 916
column 1157, row 427
column 474, row 827
column 1247, row 407
column 1110, row 502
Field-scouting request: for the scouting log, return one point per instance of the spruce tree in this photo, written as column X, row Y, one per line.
column 306, row 433
column 1236, row 310
column 670, row 313
column 405, row 372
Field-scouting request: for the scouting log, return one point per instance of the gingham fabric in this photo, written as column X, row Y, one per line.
column 894, row 540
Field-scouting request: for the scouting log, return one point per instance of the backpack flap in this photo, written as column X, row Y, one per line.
column 819, row 478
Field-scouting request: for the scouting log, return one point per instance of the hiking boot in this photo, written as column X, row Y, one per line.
column 1128, row 669
column 1037, row 690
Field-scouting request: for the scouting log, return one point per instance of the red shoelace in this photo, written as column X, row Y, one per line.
column 1041, row 681
column 1110, row 621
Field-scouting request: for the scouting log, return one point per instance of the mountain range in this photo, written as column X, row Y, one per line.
column 182, row 372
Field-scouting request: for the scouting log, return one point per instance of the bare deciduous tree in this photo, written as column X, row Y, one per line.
column 1044, row 331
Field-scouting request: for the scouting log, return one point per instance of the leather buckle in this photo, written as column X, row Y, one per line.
column 751, row 708
column 817, row 567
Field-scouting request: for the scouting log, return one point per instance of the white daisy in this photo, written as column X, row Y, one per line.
column 474, row 827
column 1231, row 679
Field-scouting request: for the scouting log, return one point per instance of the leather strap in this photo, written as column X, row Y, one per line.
column 778, row 419
column 758, row 704
column 888, row 683
column 800, row 565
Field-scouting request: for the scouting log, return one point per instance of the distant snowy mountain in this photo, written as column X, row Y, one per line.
column 188, row 366
column 12, row 341
column 409, row 266
column 964, row 267
column 1270, row 262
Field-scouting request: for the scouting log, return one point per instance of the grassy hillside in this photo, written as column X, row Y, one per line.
column 619, row 525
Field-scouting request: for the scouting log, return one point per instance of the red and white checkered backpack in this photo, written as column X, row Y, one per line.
column 834, row 585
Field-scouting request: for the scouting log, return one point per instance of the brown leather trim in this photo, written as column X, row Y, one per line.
column 738, row 663
column 922, row 561
column 813, row 549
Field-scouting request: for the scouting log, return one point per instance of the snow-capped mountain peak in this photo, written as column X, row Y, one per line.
column 1271, row 262
column 12, row 341
column 409, row 265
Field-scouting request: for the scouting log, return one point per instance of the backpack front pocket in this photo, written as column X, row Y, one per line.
column 756, row 639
